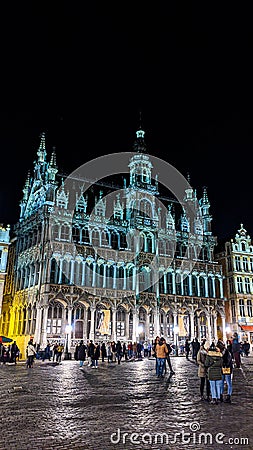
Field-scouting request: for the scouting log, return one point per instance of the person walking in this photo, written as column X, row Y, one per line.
column 202, row 370
column 60, row 349
column 214, row 363
column 90, row 353
column 81, row 353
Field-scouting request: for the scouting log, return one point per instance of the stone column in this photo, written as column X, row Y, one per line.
column 214, row 290
column 173, row 283
column 215, row 326
column 92, row 323
column 221, row 287
column 190, row 284
column 206, row 287
column 94, row 275
column 147, row 326
column 124, row 281
column 224, row 336
column 156, row 322
column 114, row 285
column 60, row 271
column 165, row 282
column 83, row 273
column 72, row 262
column 44, row 328
column 175, row 324
column 192, row 325
column 127, row 325
column 85, row 322
column 134, row 337
column 114, row 325
column 209, row 329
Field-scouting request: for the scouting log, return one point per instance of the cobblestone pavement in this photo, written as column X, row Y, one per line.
column 64, row 407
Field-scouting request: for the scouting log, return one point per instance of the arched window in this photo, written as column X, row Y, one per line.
column 194, row 286
column 210, row 287
column 169, row 283
column 186, row 285
column 201, row 287
column 85, row 235
column 95, row 238
column 114, row 240
column 54, row 271
column 76, row 235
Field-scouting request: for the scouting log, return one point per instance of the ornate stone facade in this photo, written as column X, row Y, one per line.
column 237, row 263
column 129, row 274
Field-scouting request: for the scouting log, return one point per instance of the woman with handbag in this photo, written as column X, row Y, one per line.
column 227, row 369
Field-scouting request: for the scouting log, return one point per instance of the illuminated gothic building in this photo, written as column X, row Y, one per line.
column 237, row 263
column 128, row 274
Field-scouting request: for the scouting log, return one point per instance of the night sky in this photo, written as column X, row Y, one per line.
column 83, row 74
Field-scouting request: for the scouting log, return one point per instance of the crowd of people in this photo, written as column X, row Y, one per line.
column 9, row 353
column 111, row 352
column 216, row 363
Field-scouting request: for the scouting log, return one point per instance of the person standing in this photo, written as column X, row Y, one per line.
column 109, row 352
column 81, row 353
column 214, row 363
column 161, row 354
column 30, row 353
column 168, row 360
column 96, row 355
column 187, row 348
column 60, row 349
column 90, row 352
column 236, row 350
column 103, row 351
column 118, row 351
column 202, row 371
column 227, row 369
column 14, row 352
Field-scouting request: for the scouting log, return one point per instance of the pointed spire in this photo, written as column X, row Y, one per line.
column 139, row 144
column 42, row 148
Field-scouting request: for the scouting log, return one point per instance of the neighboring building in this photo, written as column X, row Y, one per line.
column 237, row 263
column 4, row 247
column 93, row 273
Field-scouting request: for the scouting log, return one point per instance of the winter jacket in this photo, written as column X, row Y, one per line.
column 161, row 351
column 201, row 359
column 214, row 364
column 31, row 350
column 82, row 352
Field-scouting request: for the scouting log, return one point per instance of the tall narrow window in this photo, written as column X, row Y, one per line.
column 241, row 307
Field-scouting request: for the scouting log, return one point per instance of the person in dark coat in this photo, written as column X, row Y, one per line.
column 14, row 352
column 119, row 352
column 228, row 365
column 103, row 351
column 202, row 370
column 90, row 352
column 195, row 348
column 81, row 353
column 96, row 355
column 236, row 350
column 214, row 363
column 187, row 348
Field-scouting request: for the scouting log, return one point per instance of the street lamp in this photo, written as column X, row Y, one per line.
column 176, row 331
column 68, row 330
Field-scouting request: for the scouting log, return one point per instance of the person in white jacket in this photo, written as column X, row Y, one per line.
column 30, row 353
